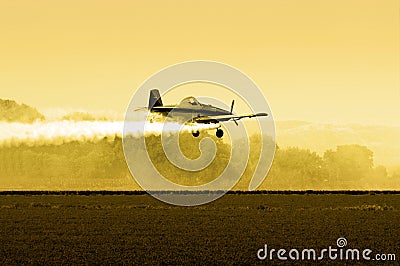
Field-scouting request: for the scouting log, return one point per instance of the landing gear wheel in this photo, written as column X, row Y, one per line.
column 219, row 133
column 196, row 133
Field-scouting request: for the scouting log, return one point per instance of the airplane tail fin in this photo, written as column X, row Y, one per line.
column 155, row 99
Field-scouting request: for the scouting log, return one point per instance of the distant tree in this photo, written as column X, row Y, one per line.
column 380, row 172
column 10, row 111
column 349, row 163
column 79, row 116
column 295, row 168
column 254, row 142
column 189, row 147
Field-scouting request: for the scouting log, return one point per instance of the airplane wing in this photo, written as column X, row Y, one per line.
column 224, row 118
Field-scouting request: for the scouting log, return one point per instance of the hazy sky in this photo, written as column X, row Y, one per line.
column 332, row 61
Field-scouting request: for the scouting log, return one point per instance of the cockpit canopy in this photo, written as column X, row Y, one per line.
column 190, row 101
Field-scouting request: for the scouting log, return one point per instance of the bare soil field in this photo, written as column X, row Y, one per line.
column 126, row 229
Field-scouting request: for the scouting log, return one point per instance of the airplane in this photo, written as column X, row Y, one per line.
column 195, row 112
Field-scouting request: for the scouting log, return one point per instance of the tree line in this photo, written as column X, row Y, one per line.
column 101, row 166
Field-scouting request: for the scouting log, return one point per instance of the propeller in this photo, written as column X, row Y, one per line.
column 233, row 103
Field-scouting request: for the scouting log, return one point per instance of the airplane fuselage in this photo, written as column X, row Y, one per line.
column 197, row 111
column 191, row 111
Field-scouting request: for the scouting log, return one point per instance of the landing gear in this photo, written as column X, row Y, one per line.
column 196, row 133
column 219, row 133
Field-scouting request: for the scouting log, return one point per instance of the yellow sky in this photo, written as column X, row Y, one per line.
column 333, row 61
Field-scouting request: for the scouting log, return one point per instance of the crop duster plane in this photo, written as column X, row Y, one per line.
column 192, row 112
